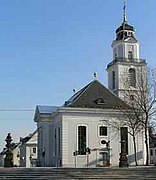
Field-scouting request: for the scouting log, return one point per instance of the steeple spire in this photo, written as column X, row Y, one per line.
column 124, row 12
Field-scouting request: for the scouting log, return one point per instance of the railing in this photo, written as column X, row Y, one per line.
column 121, row 59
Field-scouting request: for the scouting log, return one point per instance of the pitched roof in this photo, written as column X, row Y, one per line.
column 95, row 95
column 27, row 138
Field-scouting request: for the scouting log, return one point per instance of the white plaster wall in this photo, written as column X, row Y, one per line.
column 43, row 142
column 68, row 121
column 45, row 146
column 46, row 141
column 135, row 50
column 26, row 150
column 32, row 143
column 69, row 141
column 93, row 140
column 66, row 141
column 29, row 152
column 55, row 156
column 121, row 48
column 140, row 146
column 16, row 160
column 121, row 72
column 40, row 143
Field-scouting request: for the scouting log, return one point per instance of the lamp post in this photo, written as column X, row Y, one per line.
column 123, row 161
column 88, row 151
column 108, row 149
column 75, row 153
column 30, row 157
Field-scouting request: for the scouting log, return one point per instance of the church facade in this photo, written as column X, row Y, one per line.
column 86, row 131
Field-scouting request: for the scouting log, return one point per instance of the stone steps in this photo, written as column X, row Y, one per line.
column 132, row 173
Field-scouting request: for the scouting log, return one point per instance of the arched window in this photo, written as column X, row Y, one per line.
column 113, row 80
column 130, row 55
column 132, row 77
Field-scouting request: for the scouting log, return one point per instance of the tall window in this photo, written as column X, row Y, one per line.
column 115, row 53
column 113, row 79
column 40, row 141
column 124, row 139
column 82, row 140
column 55, row 141
column 130, row 55
column 132, row 77
column 59, row 141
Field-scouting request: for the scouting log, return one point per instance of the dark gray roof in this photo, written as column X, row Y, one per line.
column 125, row 26
column 47, row 109
column 121, row 32
column 95, row 95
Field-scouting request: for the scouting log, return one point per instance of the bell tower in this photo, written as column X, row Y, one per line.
column 126, row 66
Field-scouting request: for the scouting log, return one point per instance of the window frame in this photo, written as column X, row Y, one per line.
column 99, row 130
column 132, row 77
column 34, row 150
column 130, row 55
column 55, row 141
column 77, row 134
column 113, row 80
column 59, row 140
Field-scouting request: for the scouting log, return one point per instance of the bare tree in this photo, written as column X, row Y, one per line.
column 140, row 96
column 128, row 120
column 131, row 120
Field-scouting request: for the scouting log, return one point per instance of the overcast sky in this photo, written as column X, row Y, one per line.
column 49, row 47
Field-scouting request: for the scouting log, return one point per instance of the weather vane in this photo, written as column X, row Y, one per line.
column 124, row 12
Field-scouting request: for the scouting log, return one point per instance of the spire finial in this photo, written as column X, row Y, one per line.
column 124, row 12
column 95, row 75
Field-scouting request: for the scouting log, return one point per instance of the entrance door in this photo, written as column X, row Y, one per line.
column 103, row 159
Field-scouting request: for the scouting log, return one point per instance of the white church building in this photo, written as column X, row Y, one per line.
column 80, row 132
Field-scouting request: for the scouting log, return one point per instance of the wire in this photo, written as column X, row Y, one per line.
column 12, row 110
column 22, row 120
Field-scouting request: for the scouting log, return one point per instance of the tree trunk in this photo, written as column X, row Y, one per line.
column 135, row 151
column 146, row 143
